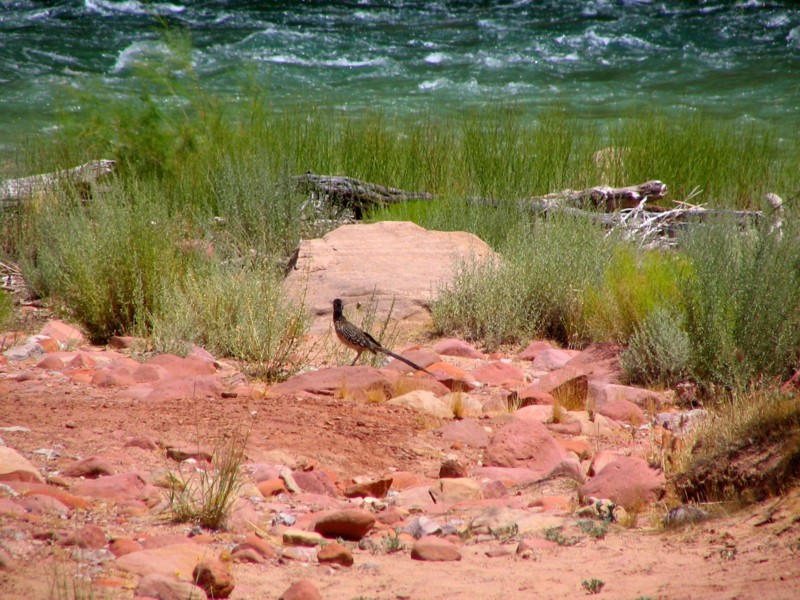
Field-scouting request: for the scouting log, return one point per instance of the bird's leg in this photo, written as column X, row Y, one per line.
column 356, row 358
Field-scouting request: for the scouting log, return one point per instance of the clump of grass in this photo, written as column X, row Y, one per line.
column 596, row 531
column 746, row 450
column 237, row 312
column 6, row 308
column 634, row 284
column 391, row 544
column 105, row 264
column 535, row 290
column 207, row 497
column 556, row 534
column 68, row 582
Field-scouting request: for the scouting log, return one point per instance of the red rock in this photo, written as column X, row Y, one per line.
column 70, row 500
column 115, row 376
column 124, row 545
column 497, row 373
column 628, row 481
column 580, row 448
column 214, row 577
column 493, row 489
column 552, row 359
column 186, row 388
column 455, row 347
column 389, row 516
column 262, row 547
column 91, row 468
column 301, row 590
column 177, row 366
column 271, row 487
column 526, row 444
column 351, row 524
column 121, row 342
column 402, row 480
column 11, row 508
column 149, row 373
column 315, row 482
column 466, row 432
column 144, row 442
column 88, row 536
column 167, row 539
column 534, row 349
column 6, row 562
column 15, row 467
column 164, row 586
column 453, row 378
column 376, row 489
column 409, row 384
column 350, row 382
column 125, row 486
column 42, row 504
column 49, row 344
column 62, row 332
column 431, row 548
column 185, row 451
column 51, row 362
column 421, row 357
column 600, row 361
column 81, row 375
column 621, row 410
column 335, row 553
column 175, row 560
column 509, row 476
column 82, row 360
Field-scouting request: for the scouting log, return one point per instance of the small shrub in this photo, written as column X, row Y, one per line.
column 593, row 585
column 658, row 352
column 555, row 534
column 596, row 531
column 207, row 497
column 6, row 308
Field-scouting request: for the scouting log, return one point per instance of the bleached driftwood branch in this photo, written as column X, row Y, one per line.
column 15, row 191
column 622, row 208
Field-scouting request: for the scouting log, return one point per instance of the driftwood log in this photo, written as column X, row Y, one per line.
column 15, row 191
column 622, row 208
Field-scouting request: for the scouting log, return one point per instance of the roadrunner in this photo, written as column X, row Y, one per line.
column 360, row 341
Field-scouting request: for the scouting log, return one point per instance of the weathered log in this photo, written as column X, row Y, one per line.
column 342, row 193
column 14, row 191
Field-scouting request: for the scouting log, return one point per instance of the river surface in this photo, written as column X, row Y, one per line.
column 602, row 59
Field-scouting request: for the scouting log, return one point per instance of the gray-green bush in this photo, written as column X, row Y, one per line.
column 658, row 352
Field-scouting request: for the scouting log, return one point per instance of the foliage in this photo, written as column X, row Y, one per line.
column 237, row 312
column 6, row 308
column 658, row 352
column 593, row 585
column 742, row 303
column 206, row 497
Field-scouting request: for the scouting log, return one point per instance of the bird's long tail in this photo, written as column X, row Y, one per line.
column 410, row 363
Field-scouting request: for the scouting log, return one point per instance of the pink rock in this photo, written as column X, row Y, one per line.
column 466, row 432
column 352, row 382
column 121, row 341
column 351, row 524
column 621, row 410
column 377, row 488
column 431, row 548
column 124, row 545
column 494, row 488
column 183, row 367
column 601, row 392
column 301, row 590
column 167, row 539
column 62, row 332
column 315, row 482
column 599, row 361
column 535, row 412
column 125, row 486
column 533, row 395
column 496, row 373
column 162, row 585
column 534, row 349
column 11, row 508
column 552, row 359
column 169, row 560
column 508, row 476
column 117, row 375
column 149, row 373
column 185, row 451
column 186, row 388
column 524, row 443
column 88, row 536
column 335, row 553
column 91, row 468
column 141, row 441
column 51, row 362
column 214, row 577
column 421, row 357
column 15, row 467
column 43, row 504
column 402, row 480
column 628, row 481
column 82, row 360
column 569, row 384
column 455, row 347
column 452, row 378
column 260, row 546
